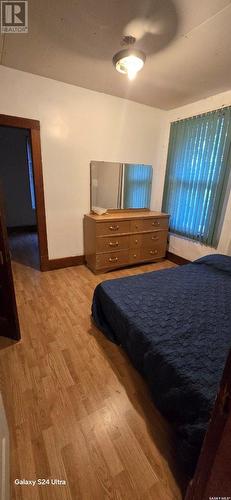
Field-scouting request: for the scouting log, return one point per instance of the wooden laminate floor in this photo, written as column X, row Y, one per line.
column 76, row 408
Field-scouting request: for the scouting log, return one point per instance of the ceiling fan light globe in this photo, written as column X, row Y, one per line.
column 129, row 62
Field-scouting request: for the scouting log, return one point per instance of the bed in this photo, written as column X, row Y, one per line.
column 175, row 326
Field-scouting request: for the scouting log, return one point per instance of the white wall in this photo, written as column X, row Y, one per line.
column 77, row 126
column 181, row 246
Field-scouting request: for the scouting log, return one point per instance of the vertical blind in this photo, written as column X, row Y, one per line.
column 31, row 174
column 137, row 186
column 197, row 173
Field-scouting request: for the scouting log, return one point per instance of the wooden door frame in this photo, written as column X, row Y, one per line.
column 34, row 129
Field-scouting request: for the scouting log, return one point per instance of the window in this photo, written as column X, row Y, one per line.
column 198, row 169
column 31, row 175
column 137, row 186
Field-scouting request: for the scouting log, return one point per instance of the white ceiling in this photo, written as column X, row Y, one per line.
column 187, row 43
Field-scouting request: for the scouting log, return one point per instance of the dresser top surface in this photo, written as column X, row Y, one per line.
column 125, row 215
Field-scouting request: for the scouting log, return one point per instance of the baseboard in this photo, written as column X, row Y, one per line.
column 79, row 260
column 53, row 264
column 176, row 259
column 22, row 229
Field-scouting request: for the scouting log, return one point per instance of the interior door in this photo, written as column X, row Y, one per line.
column 9, row 324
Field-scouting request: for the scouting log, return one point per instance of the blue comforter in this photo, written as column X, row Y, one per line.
column 175, row 326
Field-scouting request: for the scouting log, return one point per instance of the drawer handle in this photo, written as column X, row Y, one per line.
column 112, row 244
column 114, row 228
column 155, row 223
column 152, row 252
column 134, row 255
column 113, row 259
column 155, row 238
column 136, row 241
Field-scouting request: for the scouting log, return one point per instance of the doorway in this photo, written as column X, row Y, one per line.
column 17, row 179
column 22, row 186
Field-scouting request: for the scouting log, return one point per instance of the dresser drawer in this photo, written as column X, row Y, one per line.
column 134, row 255
column 153, row 253
column 112, row 259
column 135, row 240
column 155, row 239
column 106, row 244
column 155, row 223
column 136, row 225
column 106, row 228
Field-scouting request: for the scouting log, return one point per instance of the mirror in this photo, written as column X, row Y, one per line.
column 120, row 185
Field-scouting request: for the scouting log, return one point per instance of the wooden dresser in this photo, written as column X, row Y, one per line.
column 119, row 239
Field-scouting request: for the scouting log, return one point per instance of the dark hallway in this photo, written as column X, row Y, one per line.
column 16, row 177
column 24, row 247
